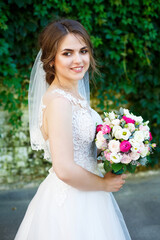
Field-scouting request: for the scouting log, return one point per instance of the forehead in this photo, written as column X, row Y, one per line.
column 72, row 41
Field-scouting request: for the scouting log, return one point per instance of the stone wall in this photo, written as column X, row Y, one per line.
column 18, row 162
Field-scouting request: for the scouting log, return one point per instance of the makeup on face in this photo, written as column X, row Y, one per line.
column 72, row 59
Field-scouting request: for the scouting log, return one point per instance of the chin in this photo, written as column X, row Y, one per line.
column 78, row 77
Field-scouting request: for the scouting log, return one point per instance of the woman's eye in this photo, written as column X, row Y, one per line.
column 67, row 53
column 84, row 51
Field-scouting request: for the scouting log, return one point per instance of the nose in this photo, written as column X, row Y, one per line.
column 77, row 58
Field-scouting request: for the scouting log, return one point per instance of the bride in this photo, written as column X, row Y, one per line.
column 74, row 202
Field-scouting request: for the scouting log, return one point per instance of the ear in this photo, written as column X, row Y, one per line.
column 51, row 63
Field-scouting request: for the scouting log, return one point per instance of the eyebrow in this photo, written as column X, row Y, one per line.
column 71, row 50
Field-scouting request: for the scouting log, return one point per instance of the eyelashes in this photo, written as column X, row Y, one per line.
column 70, row 53
column 84, row 51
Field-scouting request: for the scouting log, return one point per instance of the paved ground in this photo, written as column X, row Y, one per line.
column 139, row 201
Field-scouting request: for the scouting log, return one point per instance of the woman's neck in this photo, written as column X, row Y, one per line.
column 71, row 87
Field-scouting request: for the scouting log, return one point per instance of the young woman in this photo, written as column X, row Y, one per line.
column 74, row 202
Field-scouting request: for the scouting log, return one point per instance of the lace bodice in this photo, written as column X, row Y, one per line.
column 84, row 120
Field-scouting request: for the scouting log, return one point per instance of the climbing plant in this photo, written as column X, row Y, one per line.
column 126, row 39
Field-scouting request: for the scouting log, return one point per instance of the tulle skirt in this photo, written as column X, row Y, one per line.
column 61, row 212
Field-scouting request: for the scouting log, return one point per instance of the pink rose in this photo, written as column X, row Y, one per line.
column 126, row 159
column 150, row 136
column 134, row 156
column 106, row 129
column 99, row 127
column 128, row 120
column 125, row 146
column 107, row 155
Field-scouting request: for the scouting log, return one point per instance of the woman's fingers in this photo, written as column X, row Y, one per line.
column 124, row 176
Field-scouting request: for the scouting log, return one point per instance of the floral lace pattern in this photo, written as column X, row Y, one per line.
column 84, row 120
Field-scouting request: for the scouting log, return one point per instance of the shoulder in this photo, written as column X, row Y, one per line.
column 56, row 100
column 59, row 105
column 59, row 117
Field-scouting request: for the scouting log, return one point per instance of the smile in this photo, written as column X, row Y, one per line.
column 77, row 69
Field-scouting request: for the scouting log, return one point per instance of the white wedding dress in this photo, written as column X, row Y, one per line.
column 59, row 211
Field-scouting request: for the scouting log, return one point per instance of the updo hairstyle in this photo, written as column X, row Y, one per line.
column 50, row 39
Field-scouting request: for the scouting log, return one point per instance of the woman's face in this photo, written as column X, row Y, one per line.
column 72, row 59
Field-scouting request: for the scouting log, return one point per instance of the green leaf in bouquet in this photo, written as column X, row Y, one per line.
column 117, row 166
column 143, row 161
column 131, row 168
column 123, row 124
column 107, row 166
column 117, row 112
column 121, row 111
column 124, row 168
column 107, row 136
column 131, row 136
column 136, row 125
column 106, row 114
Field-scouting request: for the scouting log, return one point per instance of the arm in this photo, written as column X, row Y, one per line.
column 59, row 121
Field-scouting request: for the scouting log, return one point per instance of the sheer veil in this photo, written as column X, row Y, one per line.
column 37, row 88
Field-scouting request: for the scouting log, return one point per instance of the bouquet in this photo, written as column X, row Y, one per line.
column 125, row 141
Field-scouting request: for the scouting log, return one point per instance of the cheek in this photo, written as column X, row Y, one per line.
column 87, row 60
column 61, row 62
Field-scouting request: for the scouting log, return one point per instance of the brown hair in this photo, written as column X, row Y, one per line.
column 50, row 39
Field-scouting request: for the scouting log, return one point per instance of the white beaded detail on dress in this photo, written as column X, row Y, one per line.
column 84, row 120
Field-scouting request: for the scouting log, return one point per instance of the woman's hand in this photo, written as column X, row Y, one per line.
column 113, row 182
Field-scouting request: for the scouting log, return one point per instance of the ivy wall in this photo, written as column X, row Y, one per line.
column 126, row 39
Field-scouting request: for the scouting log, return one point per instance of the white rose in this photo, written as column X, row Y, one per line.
column 111, row 116
column 100, row 141
column 101, row 145
column 114, row 146
column 144, row 150
column 115, row 128
column 138, row 136
column 98, row 144
column 116, row 122
column 118, row 134
column 125, row 133
column 115, row 157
